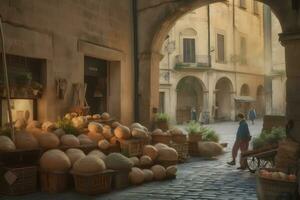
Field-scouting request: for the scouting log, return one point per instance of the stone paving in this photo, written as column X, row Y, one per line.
column 197, row 179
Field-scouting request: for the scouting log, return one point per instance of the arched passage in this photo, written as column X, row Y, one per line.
column 260, row 101
column 189, row 96
column 245, row 90
column 223, row 99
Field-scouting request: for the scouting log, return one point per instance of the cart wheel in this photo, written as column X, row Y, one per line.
column 253, row 164
column 267, row 163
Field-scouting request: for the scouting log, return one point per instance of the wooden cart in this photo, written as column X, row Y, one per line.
column 261, row 158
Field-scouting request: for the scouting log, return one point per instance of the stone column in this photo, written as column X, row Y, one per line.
column 291, row 42
column 232, row 104
column 148, row 86
column 206, row 113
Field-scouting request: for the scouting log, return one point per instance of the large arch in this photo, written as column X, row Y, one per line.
column 245, row 90
column 156, row 19
column 190, row 95
column 260, row 101
column 223, row 99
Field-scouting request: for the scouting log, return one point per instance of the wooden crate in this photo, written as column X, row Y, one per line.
column 93, row 183
column 132, row 147
column 182, row 150
column 121, row 180
column 54, row 182
column 25, row 183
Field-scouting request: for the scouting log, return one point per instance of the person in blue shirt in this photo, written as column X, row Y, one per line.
column 252, row 115
column 242, row 140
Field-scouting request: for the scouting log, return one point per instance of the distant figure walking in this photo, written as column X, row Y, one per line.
column 194, row 114
column 242, row 140
column 252, row 115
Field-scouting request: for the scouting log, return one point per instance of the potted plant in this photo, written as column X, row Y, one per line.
column 162, row 121
column 194, row 130
column 23, row 80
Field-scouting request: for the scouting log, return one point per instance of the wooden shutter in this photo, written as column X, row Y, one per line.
column 189, row 55
column 221, row 48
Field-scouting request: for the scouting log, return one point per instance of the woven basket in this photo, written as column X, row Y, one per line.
column 120, row 179
column 132, row 147
column 166, row 163
column 268, row 189
column 94, row 183
column 182, row 150
column 195, row 137
column 193, row 149
column 165, row 139
column 25, row 183
column 54, row 182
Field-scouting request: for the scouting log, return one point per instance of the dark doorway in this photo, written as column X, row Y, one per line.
column 96, row 80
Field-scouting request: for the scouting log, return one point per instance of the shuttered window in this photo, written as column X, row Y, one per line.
column 161, row 102
column 221, row 48
column 189, row 54
column 243, row 4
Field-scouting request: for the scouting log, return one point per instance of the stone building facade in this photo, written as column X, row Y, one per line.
column 214, row 62
column 73, row 40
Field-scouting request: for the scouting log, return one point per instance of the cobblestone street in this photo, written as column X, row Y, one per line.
column 197, row 179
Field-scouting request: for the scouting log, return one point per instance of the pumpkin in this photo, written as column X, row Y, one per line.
column 95, row 136
column 48, row 126
column 25, row 141
column 20, row 124
column 95, row 127
column 113, row 140
column 145, row 129
column 84, row 139
column 36, row 132
column 148, row 175
column 74, row 114
column 48, row 141
column 159, row 172
column 176, row 131
column 59, row 132
column 167, row 154
column 105, row 116
column 96, row 116
column 157, row 132
column 117, row 161
column 33, row 124
column 209, row 149
column 160, row 146
column 138, row 133
column 89, row 164
column 55, row 161
column 135, row 161
column 136, row 176
column 171, row 171
column 70, row 141
column 74, row 154
column 89, row 117
column 146, row 161
column 68, row 116
column 150, row 151
column 98, row 154
column 122, row 132
column 6, row 144
column 107, row 134
column 115, row 124
column 103, row 144
column 136, row 125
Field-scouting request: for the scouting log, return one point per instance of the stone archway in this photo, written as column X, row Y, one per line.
column 156, row 19
column 245, row 90
column 190, row 94
column 223, row 100
column 260, row 101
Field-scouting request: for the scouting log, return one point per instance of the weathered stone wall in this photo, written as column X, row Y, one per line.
column 53, row 29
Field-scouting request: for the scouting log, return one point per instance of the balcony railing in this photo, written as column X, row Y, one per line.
column 200, row 61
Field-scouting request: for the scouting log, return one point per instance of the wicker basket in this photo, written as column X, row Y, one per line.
column 95, row 183
column 193, row 149
column 25, row 183
column 273, row 189
column 195, row 137
column 166, row 163
column 120, row 180
column 179, row 138
column 54, row 182
column 20, row 157
column 112, row 149
column 132, row 147
column 182, row 150
column 165, row 139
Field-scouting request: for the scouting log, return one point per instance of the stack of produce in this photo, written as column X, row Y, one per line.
column 269, row 139
column 288, row 155
column 158, row 136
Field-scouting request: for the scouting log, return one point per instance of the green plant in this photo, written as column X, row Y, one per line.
column 269, row 137
column 37, row 86
column 162, row 117
column 23, row 79
column 67, row 126
column 193, row 127
column 210, row 135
